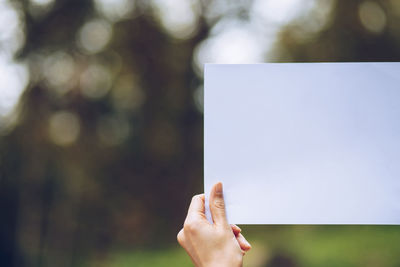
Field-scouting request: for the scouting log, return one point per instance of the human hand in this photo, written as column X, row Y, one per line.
column 208, row 245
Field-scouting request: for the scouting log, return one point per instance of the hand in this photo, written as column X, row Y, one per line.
column 208, row 245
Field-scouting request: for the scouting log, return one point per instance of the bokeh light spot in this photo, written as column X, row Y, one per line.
column 41, row 2
column 234, row 43
column 94, row 36
column 307, row 27
column 64, row 128
column 281, row 11
column 114, row 9
column 13, row 80
column 178, row 17
column 372, row 16
column 12, row 30
column 58, row 69
column 95, row 81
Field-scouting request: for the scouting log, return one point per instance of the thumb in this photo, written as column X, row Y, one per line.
column 217, row 205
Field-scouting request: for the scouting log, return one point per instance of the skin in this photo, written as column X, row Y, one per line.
column 208, row 245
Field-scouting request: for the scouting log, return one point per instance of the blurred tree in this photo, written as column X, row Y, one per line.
column 107, row 149
column 108, row 146
column 343, row 31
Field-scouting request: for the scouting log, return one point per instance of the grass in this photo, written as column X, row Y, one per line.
column 328, row 246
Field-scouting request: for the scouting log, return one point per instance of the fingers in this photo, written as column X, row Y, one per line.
column 244, row 244
column 196, row 208
column 217, row 205
column 236, row 230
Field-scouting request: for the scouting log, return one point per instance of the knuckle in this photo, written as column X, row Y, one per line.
column 194, row 198
column 219, row 203
column 180, row 237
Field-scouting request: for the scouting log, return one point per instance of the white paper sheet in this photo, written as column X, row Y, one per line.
column 305, row 143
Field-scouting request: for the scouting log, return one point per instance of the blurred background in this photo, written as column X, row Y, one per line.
column 101, row 123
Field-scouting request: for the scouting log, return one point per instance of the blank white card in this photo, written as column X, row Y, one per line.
column 304, row 143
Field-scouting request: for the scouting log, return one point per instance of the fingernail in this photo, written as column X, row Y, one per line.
column 218, row 189
column 246, row 242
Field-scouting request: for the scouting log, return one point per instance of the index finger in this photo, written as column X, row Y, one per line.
column 197, row 207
